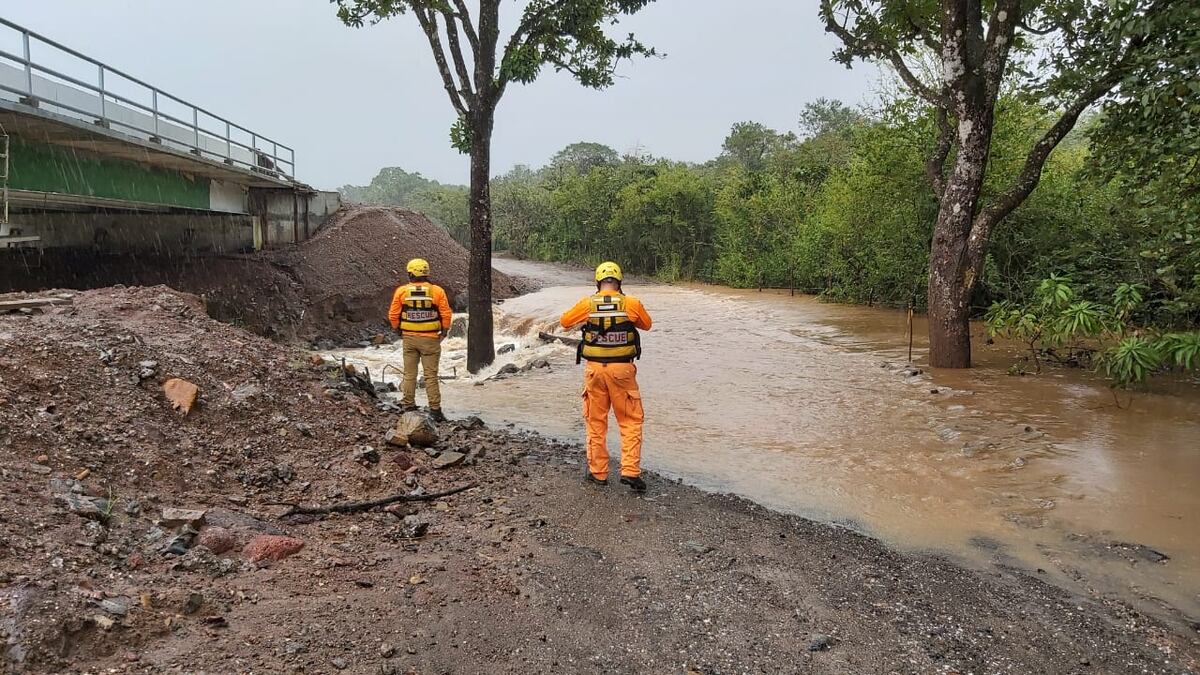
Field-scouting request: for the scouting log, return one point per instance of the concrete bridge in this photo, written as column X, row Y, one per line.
column 92, row 157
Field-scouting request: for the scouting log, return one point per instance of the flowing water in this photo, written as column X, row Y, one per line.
column 808, row 408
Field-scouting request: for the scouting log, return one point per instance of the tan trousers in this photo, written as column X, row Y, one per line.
column 427, row 351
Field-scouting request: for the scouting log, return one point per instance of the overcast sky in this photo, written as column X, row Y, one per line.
column 353, row 100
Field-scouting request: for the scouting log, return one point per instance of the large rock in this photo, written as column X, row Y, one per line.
column 458, row 327
column 414, row 428
column 271, row 547
column 366, row 455
column 181, row 393
column 217, row 539
column 172, row 517
column 83, row 505
column 448, row 459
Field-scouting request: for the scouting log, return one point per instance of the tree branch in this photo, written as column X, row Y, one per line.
column 464, row 17
column 871, row 48
column 931, row 43
column 1031, row 173
column 935, row 166
column 524, row 36
column 355, row 507
column 429, row 26
column 1001, row 27
column 1036, row 31
column 920, row 88
column 460, row 64
column 525, row 29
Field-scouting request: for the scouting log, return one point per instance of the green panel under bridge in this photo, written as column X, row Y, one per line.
column 40, row 167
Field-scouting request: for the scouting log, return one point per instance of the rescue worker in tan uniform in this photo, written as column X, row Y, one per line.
column 611, row 321
column 421, row 313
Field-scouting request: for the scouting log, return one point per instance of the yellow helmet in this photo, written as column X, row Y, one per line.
column 418, row 267
column 608, row 270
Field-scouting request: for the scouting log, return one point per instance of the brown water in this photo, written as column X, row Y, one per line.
column 802, row 406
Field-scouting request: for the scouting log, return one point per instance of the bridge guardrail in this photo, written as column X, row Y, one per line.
column 159, row 118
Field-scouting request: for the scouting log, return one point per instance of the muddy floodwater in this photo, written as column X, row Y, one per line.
column 808, row 408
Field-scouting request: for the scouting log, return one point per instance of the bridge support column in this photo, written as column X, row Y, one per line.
column 290, row 215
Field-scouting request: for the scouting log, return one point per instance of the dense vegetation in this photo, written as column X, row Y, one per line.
column 841, row 207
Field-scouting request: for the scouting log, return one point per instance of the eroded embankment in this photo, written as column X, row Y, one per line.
column 333, row 288
column 529, row 570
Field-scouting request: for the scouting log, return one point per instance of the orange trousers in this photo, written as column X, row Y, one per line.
column 613, row 386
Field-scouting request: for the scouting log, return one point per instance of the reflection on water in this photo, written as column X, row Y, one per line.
column 808, row 408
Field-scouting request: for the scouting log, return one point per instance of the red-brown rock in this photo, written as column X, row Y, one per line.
column 217, row 539
column 271, row 547
column 403, row 461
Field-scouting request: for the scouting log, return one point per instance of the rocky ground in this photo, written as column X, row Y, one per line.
column 134, row 538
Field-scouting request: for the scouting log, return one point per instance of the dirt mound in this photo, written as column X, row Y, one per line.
column 334, row 287
column 351, row 267
column 95, row 453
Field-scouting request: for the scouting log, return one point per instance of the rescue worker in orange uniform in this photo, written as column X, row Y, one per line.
column 611, row 321
column 421, row 313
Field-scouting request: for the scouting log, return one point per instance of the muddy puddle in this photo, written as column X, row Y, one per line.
column 809, row 408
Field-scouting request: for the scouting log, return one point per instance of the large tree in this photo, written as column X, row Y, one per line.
column 582, row 157
column 475, row 68
column 1067, row 54
column 828, row 116
column 751, row 144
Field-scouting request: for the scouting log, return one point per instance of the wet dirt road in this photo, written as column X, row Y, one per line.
column 807, row 408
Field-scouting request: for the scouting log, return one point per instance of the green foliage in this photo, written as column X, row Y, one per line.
column 568, row 35
column 847, row 213
column 520, row 206
column 824, row 117
column 582, row 158
column 445, row 205
column 1054, row 293
column 1156, row 112
column 751, row 145
column 867, row 236
column 1181, row 350
column 1080, row 319
column 1131, row 361
column 460, row 135
column 1056, row 324
column 392, row 186
column 1126, row 299
column 1147, row 141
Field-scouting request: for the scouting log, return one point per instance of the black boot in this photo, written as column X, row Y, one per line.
column 408, row 407
column 634, row 482
column 437, row 415
column 595, row 481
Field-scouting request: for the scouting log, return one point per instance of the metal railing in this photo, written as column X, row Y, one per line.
column 38, row 84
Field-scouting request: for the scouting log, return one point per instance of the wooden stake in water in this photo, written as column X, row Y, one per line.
column 910, row 336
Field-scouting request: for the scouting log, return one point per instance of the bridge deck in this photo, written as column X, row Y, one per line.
column 115, row 137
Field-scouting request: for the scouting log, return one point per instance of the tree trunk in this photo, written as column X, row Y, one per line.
column 954, row 266
column 480, row 345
